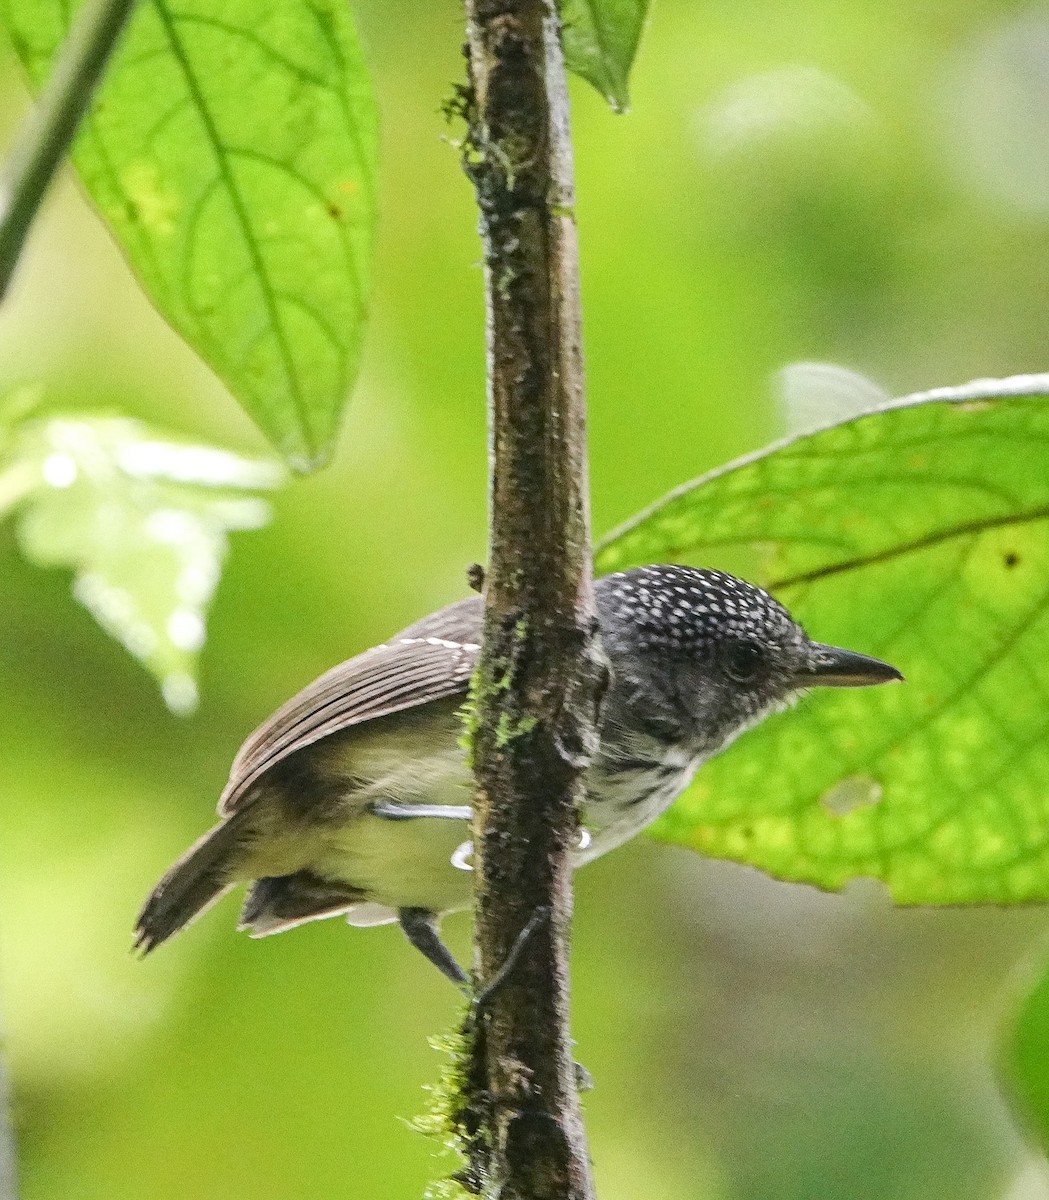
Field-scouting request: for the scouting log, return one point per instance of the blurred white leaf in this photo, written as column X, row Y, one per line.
column 788, row 103
column 141, row 520
column 1031, row 1182
column 996, row 111
column 812, row 394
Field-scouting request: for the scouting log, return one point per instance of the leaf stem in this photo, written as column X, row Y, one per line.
column 47, row 132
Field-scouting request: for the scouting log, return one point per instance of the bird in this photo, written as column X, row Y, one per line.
column 354, row 798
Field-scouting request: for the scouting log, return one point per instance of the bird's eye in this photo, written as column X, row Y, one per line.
column 742, row 661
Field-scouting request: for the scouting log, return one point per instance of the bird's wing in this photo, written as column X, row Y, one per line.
column 430, row 660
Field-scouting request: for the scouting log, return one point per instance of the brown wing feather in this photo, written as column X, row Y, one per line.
column 430, row 660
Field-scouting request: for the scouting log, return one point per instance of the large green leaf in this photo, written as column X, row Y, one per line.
column 918, row 532
column 600, row 39
column 141, row 520
column 231, row 151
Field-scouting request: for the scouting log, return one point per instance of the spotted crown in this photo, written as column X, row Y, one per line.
column 691, row 609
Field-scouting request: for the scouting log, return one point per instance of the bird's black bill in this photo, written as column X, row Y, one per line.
column 833, row 667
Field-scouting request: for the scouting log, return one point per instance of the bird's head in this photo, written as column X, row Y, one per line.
column 715, row 653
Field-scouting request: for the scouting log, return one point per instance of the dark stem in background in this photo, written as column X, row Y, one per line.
column 47, row 133
column 541, row 672
column 41, row 145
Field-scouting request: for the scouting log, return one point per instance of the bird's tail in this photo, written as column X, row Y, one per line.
column 204, row 873
column 275, row 904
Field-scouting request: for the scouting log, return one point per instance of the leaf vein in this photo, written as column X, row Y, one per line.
column 936, row 538
column 243, row 221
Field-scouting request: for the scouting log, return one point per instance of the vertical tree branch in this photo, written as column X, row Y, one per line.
column 541, row 672
column 49, row 130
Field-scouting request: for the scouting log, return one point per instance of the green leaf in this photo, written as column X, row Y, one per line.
column 600, row 39
column 142, row 522
column 918, row 533
column 231, row 150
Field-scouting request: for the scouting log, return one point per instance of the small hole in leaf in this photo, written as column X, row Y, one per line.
column 851, row 793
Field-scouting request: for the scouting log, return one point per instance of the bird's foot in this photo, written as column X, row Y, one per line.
column 482, row 998
column 420, row 928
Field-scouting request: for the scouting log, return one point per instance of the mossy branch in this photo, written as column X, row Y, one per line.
column 541, row 672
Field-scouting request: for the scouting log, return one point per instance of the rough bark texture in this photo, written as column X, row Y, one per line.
column 541, row 672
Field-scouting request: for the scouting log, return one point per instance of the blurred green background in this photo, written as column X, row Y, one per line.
column 860, row 182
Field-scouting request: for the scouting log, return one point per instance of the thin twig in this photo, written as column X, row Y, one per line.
column 46, row 135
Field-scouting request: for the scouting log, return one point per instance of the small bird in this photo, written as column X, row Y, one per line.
column 354, row 797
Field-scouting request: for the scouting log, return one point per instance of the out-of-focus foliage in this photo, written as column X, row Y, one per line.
column 1024, row 1056
column 232, row 153
column 812, row 395
column 600, row 40
column 997, row 90
column 747, row 1038
column 142, row 522
column 916, row 533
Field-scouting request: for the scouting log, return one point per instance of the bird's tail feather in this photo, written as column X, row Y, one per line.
column 275, row 904
column 200, row 877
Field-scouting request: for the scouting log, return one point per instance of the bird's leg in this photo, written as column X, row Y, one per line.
column 506, row 970
column 420, row 924
column 420, row 928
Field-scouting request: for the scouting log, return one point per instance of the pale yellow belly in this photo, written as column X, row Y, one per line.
column 421, row 862
column 400, row 863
